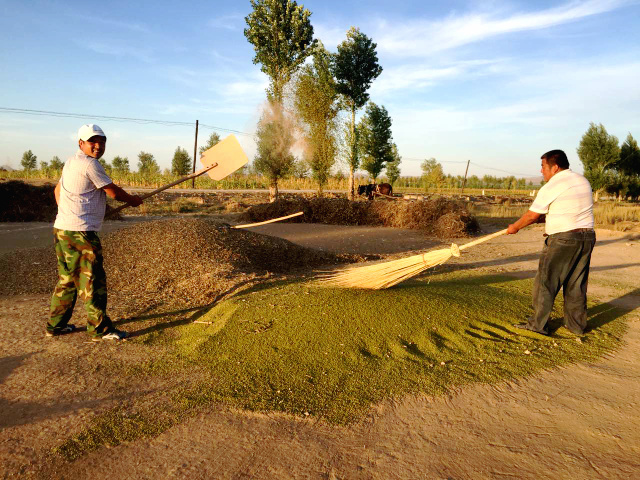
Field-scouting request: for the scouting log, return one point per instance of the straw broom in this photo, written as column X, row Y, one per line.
column 387, row 274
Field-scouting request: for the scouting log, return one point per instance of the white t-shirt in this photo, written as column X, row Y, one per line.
column 82, row 204
column 567, row 201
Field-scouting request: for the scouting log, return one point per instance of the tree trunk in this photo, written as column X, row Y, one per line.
column 596, row 194
column 352, row 166
column 350, row 195
column 273, row 191
column 319, row 190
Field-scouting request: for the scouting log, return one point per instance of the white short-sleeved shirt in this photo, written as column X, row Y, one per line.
column 82, row 204
column 567, row 201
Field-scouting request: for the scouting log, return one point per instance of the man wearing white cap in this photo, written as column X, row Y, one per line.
column 81, row 197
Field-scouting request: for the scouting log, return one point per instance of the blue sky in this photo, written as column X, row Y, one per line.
column 496, row 82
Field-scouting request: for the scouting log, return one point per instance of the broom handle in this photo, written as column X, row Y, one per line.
column 249, row 225
column 165, row 187
column 483, row 239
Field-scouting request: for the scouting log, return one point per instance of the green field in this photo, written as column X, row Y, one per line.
column 311, row 351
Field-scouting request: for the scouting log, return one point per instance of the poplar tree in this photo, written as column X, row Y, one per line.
column 147, row 165
column 393, row 167
column 282, row 37
column 355, row 67
column 120, row 164
column 56, row 163
column 213, row 140
column 375, row 139
column 629, row 162
column 316, row 105
column 181, row 163
column 599, row 152
column 29, row 160
column 274, row 139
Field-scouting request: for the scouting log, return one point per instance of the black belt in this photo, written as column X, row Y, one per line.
column 575, row 230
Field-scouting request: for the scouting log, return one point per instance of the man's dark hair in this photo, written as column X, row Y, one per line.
column 556, row 157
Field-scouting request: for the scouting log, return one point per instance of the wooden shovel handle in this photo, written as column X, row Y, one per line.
column 483, row 239
column 165, row 187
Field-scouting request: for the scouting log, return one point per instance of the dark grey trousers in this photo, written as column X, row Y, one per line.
column 564, row 264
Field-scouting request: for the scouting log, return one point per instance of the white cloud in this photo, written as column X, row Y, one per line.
column 113, row 49
column 233, row 22
column 417, row 76
column 93, row 19
column 424, row 37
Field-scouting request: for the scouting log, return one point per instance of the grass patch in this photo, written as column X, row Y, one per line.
column 332, row 354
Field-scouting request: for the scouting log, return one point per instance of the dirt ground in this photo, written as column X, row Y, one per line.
column 576, row 422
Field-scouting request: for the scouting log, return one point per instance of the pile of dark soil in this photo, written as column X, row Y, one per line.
column 441, row 217
column 21, row 202
column 177, row 262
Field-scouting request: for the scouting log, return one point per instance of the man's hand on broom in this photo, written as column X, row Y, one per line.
column 527, row 219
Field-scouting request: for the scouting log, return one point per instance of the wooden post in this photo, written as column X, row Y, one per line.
column 465, row 177
column 195, row 152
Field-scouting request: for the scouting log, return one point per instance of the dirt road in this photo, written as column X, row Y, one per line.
column 579, row 422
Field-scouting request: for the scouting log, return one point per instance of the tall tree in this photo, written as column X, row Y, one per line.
column 599, row 152
column 375, row 139
column 120, row 164
column 629, row 163
column 274, row 138
column 432, row 173
column 29, row 160
column 316, row 105
column 393, row 167
column 355, row 67
column 282, row 37
column 56, row 163
column 181, row 163
column 147, row 165
column 213, row 140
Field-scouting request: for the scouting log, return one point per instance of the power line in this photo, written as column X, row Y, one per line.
column 472, row 163
column 503, row 171
column 141, row 121
column 422, row 159
column 174, row 123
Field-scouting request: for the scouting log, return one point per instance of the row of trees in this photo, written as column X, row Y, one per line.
column 610, row 167
column 433, row 177
column 309, row 89
column 181, row 164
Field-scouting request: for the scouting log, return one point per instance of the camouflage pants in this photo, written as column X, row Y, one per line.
column 80, row 272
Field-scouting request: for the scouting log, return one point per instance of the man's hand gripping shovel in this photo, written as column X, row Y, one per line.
column 219, row 161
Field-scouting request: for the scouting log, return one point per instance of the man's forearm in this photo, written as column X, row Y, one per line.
column 117, row 193
column 525, row 220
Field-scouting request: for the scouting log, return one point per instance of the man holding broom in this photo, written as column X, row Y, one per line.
column 567, row 202
column 81, row 198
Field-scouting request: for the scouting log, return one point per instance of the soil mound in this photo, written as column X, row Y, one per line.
column 21, row 202
column 178, row 262
column 438, row 216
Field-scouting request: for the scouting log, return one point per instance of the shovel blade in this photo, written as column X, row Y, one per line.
column 229, row 156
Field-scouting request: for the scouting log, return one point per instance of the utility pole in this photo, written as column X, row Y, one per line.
column 195, row 152
column 465, row 177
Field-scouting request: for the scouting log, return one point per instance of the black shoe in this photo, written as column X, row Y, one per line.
column 69, row 328
column 526, row 326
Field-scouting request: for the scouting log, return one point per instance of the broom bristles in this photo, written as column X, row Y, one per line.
column 386, row 274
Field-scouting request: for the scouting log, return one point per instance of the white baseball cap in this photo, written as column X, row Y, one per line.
column 90, row 130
